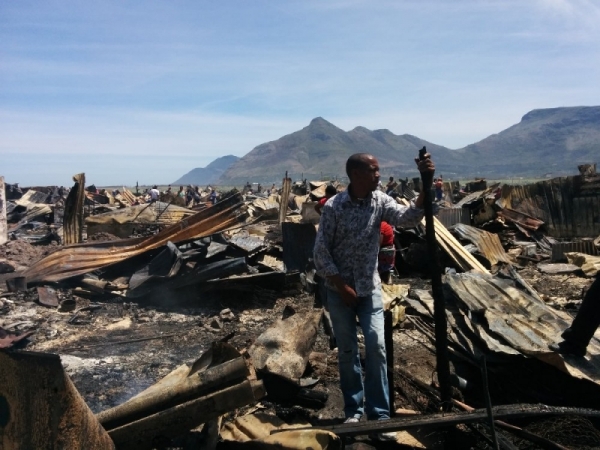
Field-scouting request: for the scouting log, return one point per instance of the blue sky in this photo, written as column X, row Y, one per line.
column 146, row 90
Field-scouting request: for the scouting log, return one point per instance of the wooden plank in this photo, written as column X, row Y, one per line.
column 455, row 249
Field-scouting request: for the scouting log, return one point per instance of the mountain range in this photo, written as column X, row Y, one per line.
column 209, row 174
column 545, row 141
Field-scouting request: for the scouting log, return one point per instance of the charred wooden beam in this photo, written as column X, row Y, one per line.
column 73, row 218
column 170, row 395
column 286, row 189
column 174, row 421
column 518, row 411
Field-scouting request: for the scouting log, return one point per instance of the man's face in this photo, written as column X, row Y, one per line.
column 368, row 177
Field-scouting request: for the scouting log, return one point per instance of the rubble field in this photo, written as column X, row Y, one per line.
column 142, row 291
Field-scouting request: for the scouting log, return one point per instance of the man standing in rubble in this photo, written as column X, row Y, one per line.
column 346, row 253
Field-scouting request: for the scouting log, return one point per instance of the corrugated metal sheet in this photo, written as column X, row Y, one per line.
column 525, row 220
column 78, row 259
column 409, row 193
column 476, row 196
column 568, row 207
column 560, row 248
column 487, row 243
column 502, row 318
column 452, row 216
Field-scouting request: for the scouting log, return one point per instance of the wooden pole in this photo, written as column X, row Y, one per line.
column 445, row 419
column 439, row 306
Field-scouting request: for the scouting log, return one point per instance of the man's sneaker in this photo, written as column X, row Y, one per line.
column 352, row 420
column 568, row 348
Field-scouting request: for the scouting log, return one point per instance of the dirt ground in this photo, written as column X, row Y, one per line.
column 120, row 348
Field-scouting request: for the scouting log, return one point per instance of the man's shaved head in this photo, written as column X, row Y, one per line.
column 360, row 161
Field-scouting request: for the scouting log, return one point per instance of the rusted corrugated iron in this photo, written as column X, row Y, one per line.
column 487, row 243
column 40, row 407
column 83, row 258
column 500, row 309
column 522, row 219
column 73, row 218
column 570, row 207
column 452, row 216
column 560, row 248
column 476, row 196
column 121, row 222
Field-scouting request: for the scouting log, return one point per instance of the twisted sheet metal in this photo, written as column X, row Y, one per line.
column 78, row 259
column 508, row 319
column 487, row 243
column 569, row 206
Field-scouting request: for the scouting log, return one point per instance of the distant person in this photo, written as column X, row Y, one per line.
column 439, row 188
column 168, row 190
column 259, row 188
column 389, row 188
column 181, row 192
column 330, row 191
column 577, row 337
column 213, row 197
column 273, row 189
column 154, row 194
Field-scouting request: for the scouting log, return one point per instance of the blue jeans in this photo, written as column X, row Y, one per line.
column 375, row 396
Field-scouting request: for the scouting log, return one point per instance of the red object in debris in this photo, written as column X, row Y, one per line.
column 387, row 232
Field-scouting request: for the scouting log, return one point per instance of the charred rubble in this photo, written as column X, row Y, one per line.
column 133, row 324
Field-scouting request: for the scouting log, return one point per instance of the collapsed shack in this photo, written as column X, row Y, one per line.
column 125, row 314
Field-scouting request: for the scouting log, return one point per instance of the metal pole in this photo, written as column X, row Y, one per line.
column 488, row 401
column 439, row 306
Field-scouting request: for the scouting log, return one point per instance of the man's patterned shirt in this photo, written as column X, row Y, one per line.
column 348, row 238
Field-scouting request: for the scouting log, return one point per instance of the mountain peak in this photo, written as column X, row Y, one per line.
column 319, row 121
